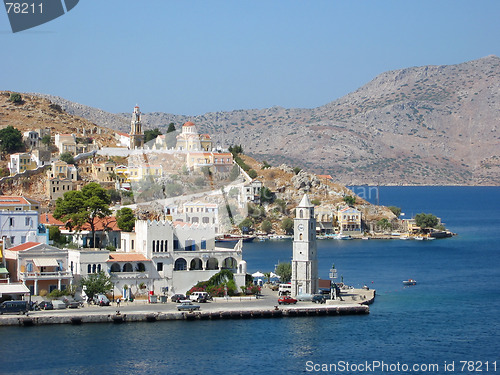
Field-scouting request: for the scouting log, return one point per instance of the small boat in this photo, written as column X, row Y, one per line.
column 404, row 238
column 342, row 237
column 409, row 282
column 418, row 238
column 231, row 238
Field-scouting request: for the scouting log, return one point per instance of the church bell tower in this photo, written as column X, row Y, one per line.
column 305, row 260
column 136, row 135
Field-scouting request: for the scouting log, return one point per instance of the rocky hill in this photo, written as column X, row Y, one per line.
column 422, row 125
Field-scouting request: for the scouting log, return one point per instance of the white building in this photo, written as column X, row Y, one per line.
column 178, row 255
column 19, row 221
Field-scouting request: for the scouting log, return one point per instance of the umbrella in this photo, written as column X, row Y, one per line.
column 258, row 274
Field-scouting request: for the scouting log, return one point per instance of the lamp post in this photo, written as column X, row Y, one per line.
column 333, row 276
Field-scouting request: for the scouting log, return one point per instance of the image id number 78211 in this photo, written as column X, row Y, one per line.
column 24, row 8
column 473, row 366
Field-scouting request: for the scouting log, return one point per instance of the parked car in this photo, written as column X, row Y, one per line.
column 14, row 307
column 178, row 298
column 187, row 305
column 318, row 298
column 58, row 305
column 45, row 305
column 200, row 296
column 101, row 300
column 286, row 300
column 304, row 297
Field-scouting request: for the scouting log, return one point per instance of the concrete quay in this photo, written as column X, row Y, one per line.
column 354, row 302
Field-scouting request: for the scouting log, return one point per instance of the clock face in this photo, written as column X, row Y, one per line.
column 300, row 227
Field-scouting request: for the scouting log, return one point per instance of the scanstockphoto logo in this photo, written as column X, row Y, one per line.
column 24, row 15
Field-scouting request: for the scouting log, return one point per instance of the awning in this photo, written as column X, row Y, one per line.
column 13, row 289
column 45, row 262
column 3, row 271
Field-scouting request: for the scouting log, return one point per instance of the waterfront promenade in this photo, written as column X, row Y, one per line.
column 354, row 301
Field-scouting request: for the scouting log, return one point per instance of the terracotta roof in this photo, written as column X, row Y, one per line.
column 327, row 176
column 109, row 222
column 7, row 200
column 189, row 123
column 127, row 257
column 181, row 224
column 124, row 134
column 49, row 219
column 24, row 246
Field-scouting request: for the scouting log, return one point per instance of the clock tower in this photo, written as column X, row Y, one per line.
column 305, row 260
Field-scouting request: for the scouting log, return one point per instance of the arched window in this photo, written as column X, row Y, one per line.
column 300, row 236
column 115, row 267
column 153, row 244
column 161, row 246
column 301, row 214
column 180, row 264
column 89, row 268
column 212, row 264
column 196, row 264
column 98, row 268
column 141, row 267
column 127, row 267
column 229, row 263
column 205, row 220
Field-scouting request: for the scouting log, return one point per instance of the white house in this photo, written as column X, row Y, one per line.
column 178, row 255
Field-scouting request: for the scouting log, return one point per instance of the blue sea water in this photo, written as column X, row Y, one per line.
column 452, row 315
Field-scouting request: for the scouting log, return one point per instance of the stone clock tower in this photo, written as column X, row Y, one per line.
column 305, row 260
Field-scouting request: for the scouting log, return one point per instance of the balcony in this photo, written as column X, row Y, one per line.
column 46, row 275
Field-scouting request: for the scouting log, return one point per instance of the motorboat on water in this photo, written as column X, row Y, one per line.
column 409, row 282
column 231, row 238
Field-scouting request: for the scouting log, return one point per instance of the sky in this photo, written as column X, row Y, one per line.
column 198, row 56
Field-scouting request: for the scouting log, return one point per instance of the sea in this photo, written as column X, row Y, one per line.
column 448, row 323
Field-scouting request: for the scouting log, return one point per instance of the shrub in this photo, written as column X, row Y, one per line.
column 16, row 98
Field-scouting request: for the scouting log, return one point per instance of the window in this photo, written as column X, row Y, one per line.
column 176, row 244
column 159, row 266
column 60, row 265
column 132, row 245
column 71, row 266
column 89, row 268
column 23, row 239
column 203, row 244
column 27, row 221
column 11, row 221
column 29, row 267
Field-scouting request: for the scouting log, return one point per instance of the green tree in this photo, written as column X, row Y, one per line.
column 281, row 205
column 266, row 226
column 171, row 128
column 266, row 165
column 11, row 140
column 284, row 271
column 16, row 98
column 266, row 195
column 296, row 170
column 97, row 283
column 84, row 206
column 287, row 225
column 384, row 224
column 46, row 140
column 316, row 202
column 125, row 219
column 350, row 200
column 234, row 174
column 252, row 173
column 67, row 157
column 56, row 236
column 426, row 220
column 149, row 135
column 246, row 223
column 395, row 210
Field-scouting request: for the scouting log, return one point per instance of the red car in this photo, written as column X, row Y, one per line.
column 286, row 300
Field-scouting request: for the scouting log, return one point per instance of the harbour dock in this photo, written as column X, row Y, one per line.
column 355, row 302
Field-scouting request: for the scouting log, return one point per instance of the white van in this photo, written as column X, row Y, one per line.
column 284, row 289
column 200, row 296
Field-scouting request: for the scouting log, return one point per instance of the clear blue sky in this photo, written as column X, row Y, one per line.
column 197, row 56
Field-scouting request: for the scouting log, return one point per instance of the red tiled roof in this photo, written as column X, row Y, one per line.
column 49, row 219
column 124, row 134
column 189, row 123
column 109, row 222
column 24, row 246
column 6, row 200
column 127, row 257
column 327, row 176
